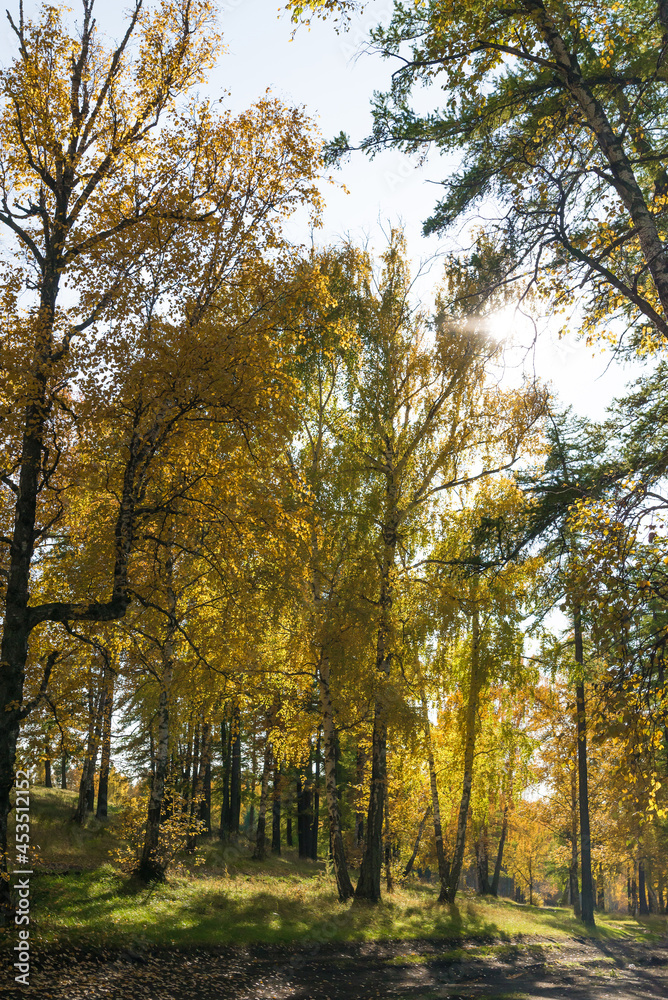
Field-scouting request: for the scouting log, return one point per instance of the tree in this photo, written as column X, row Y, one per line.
column 111, row 190
column 559, row 113
column 420, row 414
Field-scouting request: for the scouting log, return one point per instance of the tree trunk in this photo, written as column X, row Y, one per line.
column 573, row 866
column 585, row 837
column 47, row 773
column 359, row 815
column 482, row 861
column 313, row 832
column 600, row 896
column 469, row 752
column 443, row 866
column 304, row 814
column 205, row 778
column 193, row 787
column 235, row 770
column 343, row 883
column 151, row 866
column 226, row 757
column 643, row 908
column 368, row 885
column 494, row 888
column 63, row 771
column 87, row 783
column 416, row 846
column 105, row 758
column 259, row 853
column 530, row 883
column 276, row 812
column 389, row 882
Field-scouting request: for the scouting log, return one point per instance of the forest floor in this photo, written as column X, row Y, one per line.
column 230, row 927
column 574, row 969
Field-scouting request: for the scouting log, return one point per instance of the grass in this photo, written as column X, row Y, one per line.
column 56, row 841
column 234, row 900
column 283, row 902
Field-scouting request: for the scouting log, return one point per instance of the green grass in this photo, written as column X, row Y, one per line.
column 234, row 900
column 55, row 840
column 280, row 903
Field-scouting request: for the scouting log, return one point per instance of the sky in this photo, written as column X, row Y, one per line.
column 331, row 75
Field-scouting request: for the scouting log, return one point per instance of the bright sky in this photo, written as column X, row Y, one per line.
column 330, row 75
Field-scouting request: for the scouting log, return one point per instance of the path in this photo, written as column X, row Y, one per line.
column 578, row 969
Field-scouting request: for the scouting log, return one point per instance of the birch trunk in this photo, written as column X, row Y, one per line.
column 260, row 851
column 151, row 866
column 416, row 846
column 469, row 752
column 105, row 758
column 87, row 783
column 343, row 883
column 583, row 788
column 443, row 866
column 368, row 885
column 494, row 888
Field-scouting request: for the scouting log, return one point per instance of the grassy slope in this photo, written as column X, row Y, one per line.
column 234, row 900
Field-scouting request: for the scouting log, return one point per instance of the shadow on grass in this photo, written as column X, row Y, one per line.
column 254, row 907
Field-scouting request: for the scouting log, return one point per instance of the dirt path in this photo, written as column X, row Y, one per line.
column 421, row 970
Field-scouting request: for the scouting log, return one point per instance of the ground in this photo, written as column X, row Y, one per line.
column 230, row 927
column 582, row 969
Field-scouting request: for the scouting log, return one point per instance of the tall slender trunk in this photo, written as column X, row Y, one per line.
column 63, row 771
column 585, row 836
column 573, row 866
column 235, row 770
column 313, row 832
column 259, row 853
column 643, row 908
column 204, row 814
column 494, row 888
column 105, row 758
column 224, row 827
column 530, row 882
column 87, row 784
column 193, row 789
column 368, row 885
column 600, row 895
column 151, row 866
column 443, row 865
column 303, row 815
column 416, row 846
column 360, row 763
column 276, row 811
column 482, row 861
column 389, row 881
column 47, row 773
column 343, row 883
column 469, row 752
